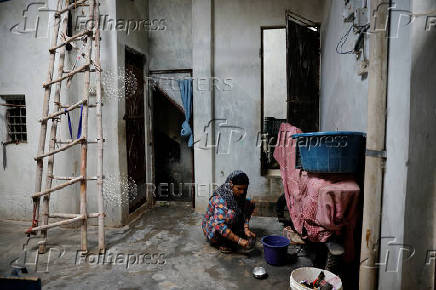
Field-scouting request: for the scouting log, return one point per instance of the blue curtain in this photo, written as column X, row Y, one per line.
column 186, row 94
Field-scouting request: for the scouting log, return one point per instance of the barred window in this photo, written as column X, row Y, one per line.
column 15, row 118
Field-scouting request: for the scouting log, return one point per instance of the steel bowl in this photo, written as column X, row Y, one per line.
column 259, row 273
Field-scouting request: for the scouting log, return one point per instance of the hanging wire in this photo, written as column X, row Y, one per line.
column 359, row 30
column 342, row 41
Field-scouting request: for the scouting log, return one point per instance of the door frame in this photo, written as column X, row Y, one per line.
column 130, row 215
column 264, row 170
column 149, row 79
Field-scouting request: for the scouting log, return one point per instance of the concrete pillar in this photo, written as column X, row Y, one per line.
column 397, row 146
column 203, row 112
column 418, row 271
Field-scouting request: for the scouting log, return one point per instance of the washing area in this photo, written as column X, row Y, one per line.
column 322, row 176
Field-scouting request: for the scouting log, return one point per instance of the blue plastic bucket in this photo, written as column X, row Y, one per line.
column 275, row 249
column 331, row 152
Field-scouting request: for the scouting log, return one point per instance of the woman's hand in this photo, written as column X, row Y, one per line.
column 249, row 233
column 243, row 243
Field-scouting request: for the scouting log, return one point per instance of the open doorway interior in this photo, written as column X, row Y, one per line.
column 135, row 129
column 174, row 160
column 290, row 81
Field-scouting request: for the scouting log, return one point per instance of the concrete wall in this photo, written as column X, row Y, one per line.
column 420, row 209
column 236, row 55
column 224, row 43
column 343, row 94
column 171, row 48
column 203, row 101
column 397, row 147
column 408, row 215
column 19, row 79
column 26, row 58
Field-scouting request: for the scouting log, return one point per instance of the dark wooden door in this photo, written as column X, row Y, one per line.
column 135, row 128
column 303, row 59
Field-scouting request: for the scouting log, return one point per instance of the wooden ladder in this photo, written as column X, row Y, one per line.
column 90, row 36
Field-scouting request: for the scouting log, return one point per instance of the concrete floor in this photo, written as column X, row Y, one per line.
column 165, row 248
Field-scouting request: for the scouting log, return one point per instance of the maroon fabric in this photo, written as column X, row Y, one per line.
column 322, row 205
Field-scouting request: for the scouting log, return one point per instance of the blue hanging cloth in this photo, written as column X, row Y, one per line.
column 186, row 95
column 79, row 129
column 69, row 124
column 70, row 127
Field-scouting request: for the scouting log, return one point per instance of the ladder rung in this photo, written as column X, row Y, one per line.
column 71, row 178
column 63, row 148
column 64, row 215
column 80, row 69
column 91, row 70
column 56, row 224
column 70, row 39
column 59, row 104
column 58, row 187
column 58, row 113
column 72, row 215
column 70, row 141
column 67, row 106
column 94, row 105
column 71, row 6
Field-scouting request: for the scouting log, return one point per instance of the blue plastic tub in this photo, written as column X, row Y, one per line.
column 331, row 152
column 275, row 249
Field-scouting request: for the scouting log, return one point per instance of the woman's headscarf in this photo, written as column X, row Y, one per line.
column 225, row 191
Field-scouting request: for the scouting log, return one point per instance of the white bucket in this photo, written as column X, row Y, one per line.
column 309, row 274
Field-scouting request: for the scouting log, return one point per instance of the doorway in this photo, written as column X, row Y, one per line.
column 303, row 70
column 273, row 91
column 135, row 128
column 174, row 160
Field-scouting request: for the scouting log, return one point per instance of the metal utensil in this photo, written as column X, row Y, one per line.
column 259, row 273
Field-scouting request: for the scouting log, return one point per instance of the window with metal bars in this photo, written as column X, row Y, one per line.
column 15, row 118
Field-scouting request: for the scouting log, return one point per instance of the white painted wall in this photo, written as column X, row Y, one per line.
column 343, row 94
column 397, row 147
column 420, row 202
column 171, row 48
column 26, row 60
column 236, row 56
column 274, row 71
column 225, row 45
column 17, row 181
column 202, row 62
column 409, row 186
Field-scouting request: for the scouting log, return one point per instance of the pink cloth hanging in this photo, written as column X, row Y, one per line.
column 320, row 204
